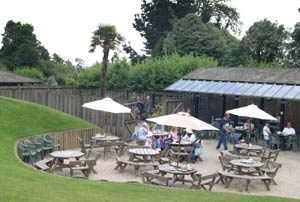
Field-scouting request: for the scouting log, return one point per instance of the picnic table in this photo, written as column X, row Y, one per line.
column 249, row 148
column 246, row 166
column 105, row 141
column 138, row 157
column 60, row 156
column 142, row 154
column 178, row 174
column 104, row 138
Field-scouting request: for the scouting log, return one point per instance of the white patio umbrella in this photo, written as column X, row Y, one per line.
column 251, row 111
column 182, row 120
column 107, row 105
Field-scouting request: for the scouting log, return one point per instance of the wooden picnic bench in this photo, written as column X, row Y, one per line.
column 122, row 163
column 229, row 176
column 44, row 164
column 85, row 166
column 154, row 177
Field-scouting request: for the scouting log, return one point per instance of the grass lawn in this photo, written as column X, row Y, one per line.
column 20, row 183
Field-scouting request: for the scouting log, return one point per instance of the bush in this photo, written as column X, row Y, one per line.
column 31, row 72
column 154, row 75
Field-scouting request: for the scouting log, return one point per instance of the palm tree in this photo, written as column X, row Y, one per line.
column 107, row 37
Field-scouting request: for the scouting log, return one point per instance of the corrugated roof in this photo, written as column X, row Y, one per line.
column 277, row 91
column 8, row 77
column 243, row 74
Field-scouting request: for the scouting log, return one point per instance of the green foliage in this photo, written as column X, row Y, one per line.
column 107, row 38
column 191, row 36
column 158, row 17
column 293, row 56
column 21, row 183
column 155, row 74
column 264, row 42
column 31, row 72
column 20, row 47
column 59, row 71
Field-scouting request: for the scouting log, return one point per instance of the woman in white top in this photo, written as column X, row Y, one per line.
column 190, row 136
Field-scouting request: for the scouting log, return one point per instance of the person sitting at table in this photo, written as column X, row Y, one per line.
column 248, row 127
column 143, row 132
column 173, row 135
column 266, row 133
column 149, row 140
column 288, row 132
column 190, row 136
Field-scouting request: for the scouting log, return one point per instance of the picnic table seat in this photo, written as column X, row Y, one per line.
column 205, row 182
column 122, row 163
column 86, row 166
column 44, row 164
column 177, row 152
column 270, row 168
column 270, row 155
column 153, row 177
column 227, row 178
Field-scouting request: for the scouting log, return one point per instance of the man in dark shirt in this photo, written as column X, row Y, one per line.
column 226, row 127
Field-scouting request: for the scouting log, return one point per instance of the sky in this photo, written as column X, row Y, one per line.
column 65, row 26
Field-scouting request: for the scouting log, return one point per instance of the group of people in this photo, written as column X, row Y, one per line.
column 146, row 135
column 226, row 128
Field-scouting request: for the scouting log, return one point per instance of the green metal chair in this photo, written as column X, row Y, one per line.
column 26, row 153
column 34, row 147
column 48, row 139
column 274, row 141
column 39, row 141
column 295, row 141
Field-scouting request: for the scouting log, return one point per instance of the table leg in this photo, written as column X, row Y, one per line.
column 53, row 167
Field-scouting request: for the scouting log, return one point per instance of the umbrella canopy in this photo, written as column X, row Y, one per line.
column 107, row 105
column 182, row 120
column 251, row 111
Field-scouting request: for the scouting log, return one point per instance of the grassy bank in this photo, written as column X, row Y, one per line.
column 20, row 183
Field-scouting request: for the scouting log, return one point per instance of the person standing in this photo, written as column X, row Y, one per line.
column 267, row 132
column 226, row 127
column 148, row 106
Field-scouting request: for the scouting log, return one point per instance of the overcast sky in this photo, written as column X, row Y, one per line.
column 65, row 26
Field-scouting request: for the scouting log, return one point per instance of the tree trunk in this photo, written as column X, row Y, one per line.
column 104, row 71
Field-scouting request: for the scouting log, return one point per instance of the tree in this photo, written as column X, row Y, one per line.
column 107, row 37
column 57, row 58
column 20, row 46
column 264, row 42
column 133, row 55
column 191, row 36
column 293, row 56
column 219, row 13
column 158, row 17
column 154, row 23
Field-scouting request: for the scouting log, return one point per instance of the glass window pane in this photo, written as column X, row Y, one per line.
column 273, row 90
column 293, row 93
column 174, row 85
column 242, row 89
column 282, row 92
column 183, row 85
column 193, row 86
column 252, row 89
column 209, row 85
column 216, row 87
column 225, row 87
column 234, row 88
column 261, row 91
column 297, row 97
column 200, row 85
